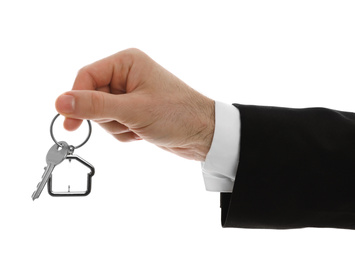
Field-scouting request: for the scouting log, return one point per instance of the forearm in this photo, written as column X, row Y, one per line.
column 296, row 169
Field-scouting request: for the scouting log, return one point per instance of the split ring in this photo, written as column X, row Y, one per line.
column 76, row 147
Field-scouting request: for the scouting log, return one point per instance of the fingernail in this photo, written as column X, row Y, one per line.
column 65, row 104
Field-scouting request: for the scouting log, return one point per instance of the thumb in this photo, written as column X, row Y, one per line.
column 88, row 104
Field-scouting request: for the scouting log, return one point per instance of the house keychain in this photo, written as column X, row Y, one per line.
column 57, row 154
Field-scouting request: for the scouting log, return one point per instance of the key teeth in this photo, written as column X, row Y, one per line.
column 45, row 169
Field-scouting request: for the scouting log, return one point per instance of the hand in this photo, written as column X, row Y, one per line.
column 134, row 98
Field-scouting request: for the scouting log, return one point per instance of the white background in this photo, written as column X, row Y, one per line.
column 147, row 203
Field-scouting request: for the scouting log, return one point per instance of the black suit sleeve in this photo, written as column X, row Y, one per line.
column 296, row 169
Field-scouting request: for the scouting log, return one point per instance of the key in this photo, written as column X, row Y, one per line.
column 54, row 157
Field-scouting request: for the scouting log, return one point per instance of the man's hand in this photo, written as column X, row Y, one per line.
column 133, row 98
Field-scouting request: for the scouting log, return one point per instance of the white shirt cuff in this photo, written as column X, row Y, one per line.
column 220, row 167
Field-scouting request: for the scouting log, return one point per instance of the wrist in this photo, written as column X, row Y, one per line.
column 205, row 136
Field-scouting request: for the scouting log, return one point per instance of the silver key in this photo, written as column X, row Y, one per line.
column 55, row 156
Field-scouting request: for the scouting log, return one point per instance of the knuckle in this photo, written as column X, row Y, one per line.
column 97, row 104
column 87, row 72
column 83, row 71
column 134, row 51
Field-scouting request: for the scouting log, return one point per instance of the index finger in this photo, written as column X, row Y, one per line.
column 109, row 75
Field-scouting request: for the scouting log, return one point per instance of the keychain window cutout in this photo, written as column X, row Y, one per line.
column 70, row 173
column 74, row 193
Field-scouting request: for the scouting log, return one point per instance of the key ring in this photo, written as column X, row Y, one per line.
column 76, row 147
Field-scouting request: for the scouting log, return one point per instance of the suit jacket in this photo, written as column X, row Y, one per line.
column 296, row 169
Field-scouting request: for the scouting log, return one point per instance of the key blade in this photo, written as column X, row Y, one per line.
column 43, row 182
